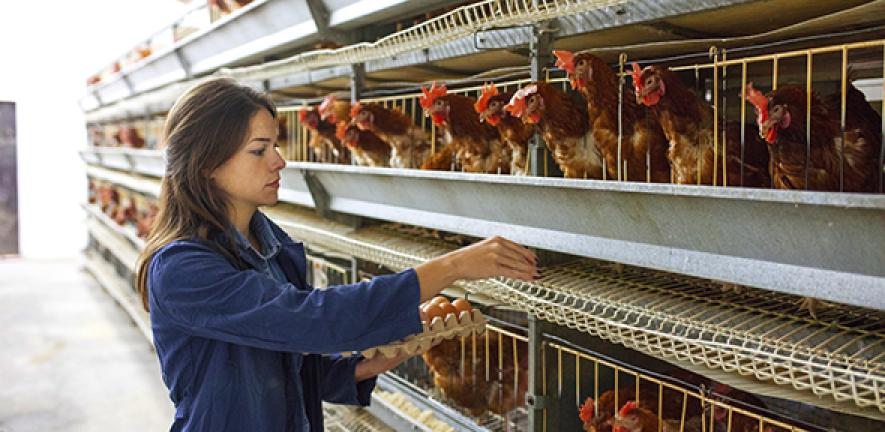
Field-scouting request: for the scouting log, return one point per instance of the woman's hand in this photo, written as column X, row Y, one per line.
column 494, row 256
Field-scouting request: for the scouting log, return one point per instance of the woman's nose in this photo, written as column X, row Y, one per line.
column 278, row 161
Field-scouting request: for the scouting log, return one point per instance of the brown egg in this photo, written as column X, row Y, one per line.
column 431, row 311
column 422, row 312
column 461, row 305
column 439, row 300
column 446, row 309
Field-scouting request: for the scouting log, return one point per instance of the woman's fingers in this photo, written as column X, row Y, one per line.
column 518, row 260
column 519, row 266
column 497, row 256
column 519, row 249
column 517, row 274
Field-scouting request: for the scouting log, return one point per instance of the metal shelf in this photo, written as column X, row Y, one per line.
column 125, row 247
column 126, row 232
column 145, row 185
column 400, row 421
column 835, row 362
column 677, row 318
column 121, row 291
column 262, row 29
column 795, row 242
column 462, row 39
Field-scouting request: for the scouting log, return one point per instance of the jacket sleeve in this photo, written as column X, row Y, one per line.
column 338, row 382
column 198, row 291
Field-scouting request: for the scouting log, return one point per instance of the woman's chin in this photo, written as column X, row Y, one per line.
column 269, row 199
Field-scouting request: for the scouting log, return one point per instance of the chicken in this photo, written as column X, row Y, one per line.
column 108, row 199
column 145, row 221
column 409, row 144
column 365, row 147
column 643, row 141
column 129, row 136
column 782, row 123
column 687, row 121
column 283, row 133
column 512, row 130
column 475, row 146
column 443, row 160
column 325, row 145
column 598, row 416
column 466, row 383
column 92, row 192
column 125, row 212
column 781, row 116
column 633, row 417
column 219, row 5
column 334, row 111
column 564, row 125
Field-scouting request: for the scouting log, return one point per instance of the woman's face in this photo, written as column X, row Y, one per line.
column 251, row 177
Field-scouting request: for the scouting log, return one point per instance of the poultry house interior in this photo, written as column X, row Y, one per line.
column 705, row 198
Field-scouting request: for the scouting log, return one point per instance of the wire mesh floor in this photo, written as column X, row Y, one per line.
column 840, row 355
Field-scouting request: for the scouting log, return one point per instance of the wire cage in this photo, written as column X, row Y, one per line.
column 837, row 356
column 323, row 272
column 483, row 377
column 595, row 393
column 731, row 133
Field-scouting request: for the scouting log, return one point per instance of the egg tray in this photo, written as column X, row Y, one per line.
column 434, row 332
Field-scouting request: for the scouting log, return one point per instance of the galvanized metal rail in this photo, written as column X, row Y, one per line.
column 822, row 245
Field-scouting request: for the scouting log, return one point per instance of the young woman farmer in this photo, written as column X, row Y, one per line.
column 243, row 341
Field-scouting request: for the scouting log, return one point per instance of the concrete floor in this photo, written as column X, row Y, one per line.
column 70, row 358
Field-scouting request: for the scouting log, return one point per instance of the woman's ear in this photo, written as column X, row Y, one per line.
column 209, row 174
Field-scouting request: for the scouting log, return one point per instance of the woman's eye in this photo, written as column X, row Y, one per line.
column 259, row 152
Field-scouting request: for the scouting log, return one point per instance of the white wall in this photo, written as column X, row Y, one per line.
column 47, row 50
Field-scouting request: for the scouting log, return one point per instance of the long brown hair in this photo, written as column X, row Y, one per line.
column 205, row 128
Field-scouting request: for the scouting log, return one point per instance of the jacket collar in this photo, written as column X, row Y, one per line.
column 260, row 227
column 290, row 255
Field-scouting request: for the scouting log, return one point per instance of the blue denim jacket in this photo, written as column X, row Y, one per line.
column 232, row 343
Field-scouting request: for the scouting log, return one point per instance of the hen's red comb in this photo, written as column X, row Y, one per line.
column 629, row 406
column 758, row 100
column 637, row 77
column 302, row 115
column 326, row 105
column 586, row 411
column 488, row 91
column 355, row 109
column 516, row 107
column 341, row 131
column 565, row 60
column 430, row 95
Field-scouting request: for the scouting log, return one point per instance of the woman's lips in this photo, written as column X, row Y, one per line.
column 274, row 184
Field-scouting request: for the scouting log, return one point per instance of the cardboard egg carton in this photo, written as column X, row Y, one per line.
column 434, row 332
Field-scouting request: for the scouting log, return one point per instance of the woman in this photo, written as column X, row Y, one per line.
column 240, row 336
